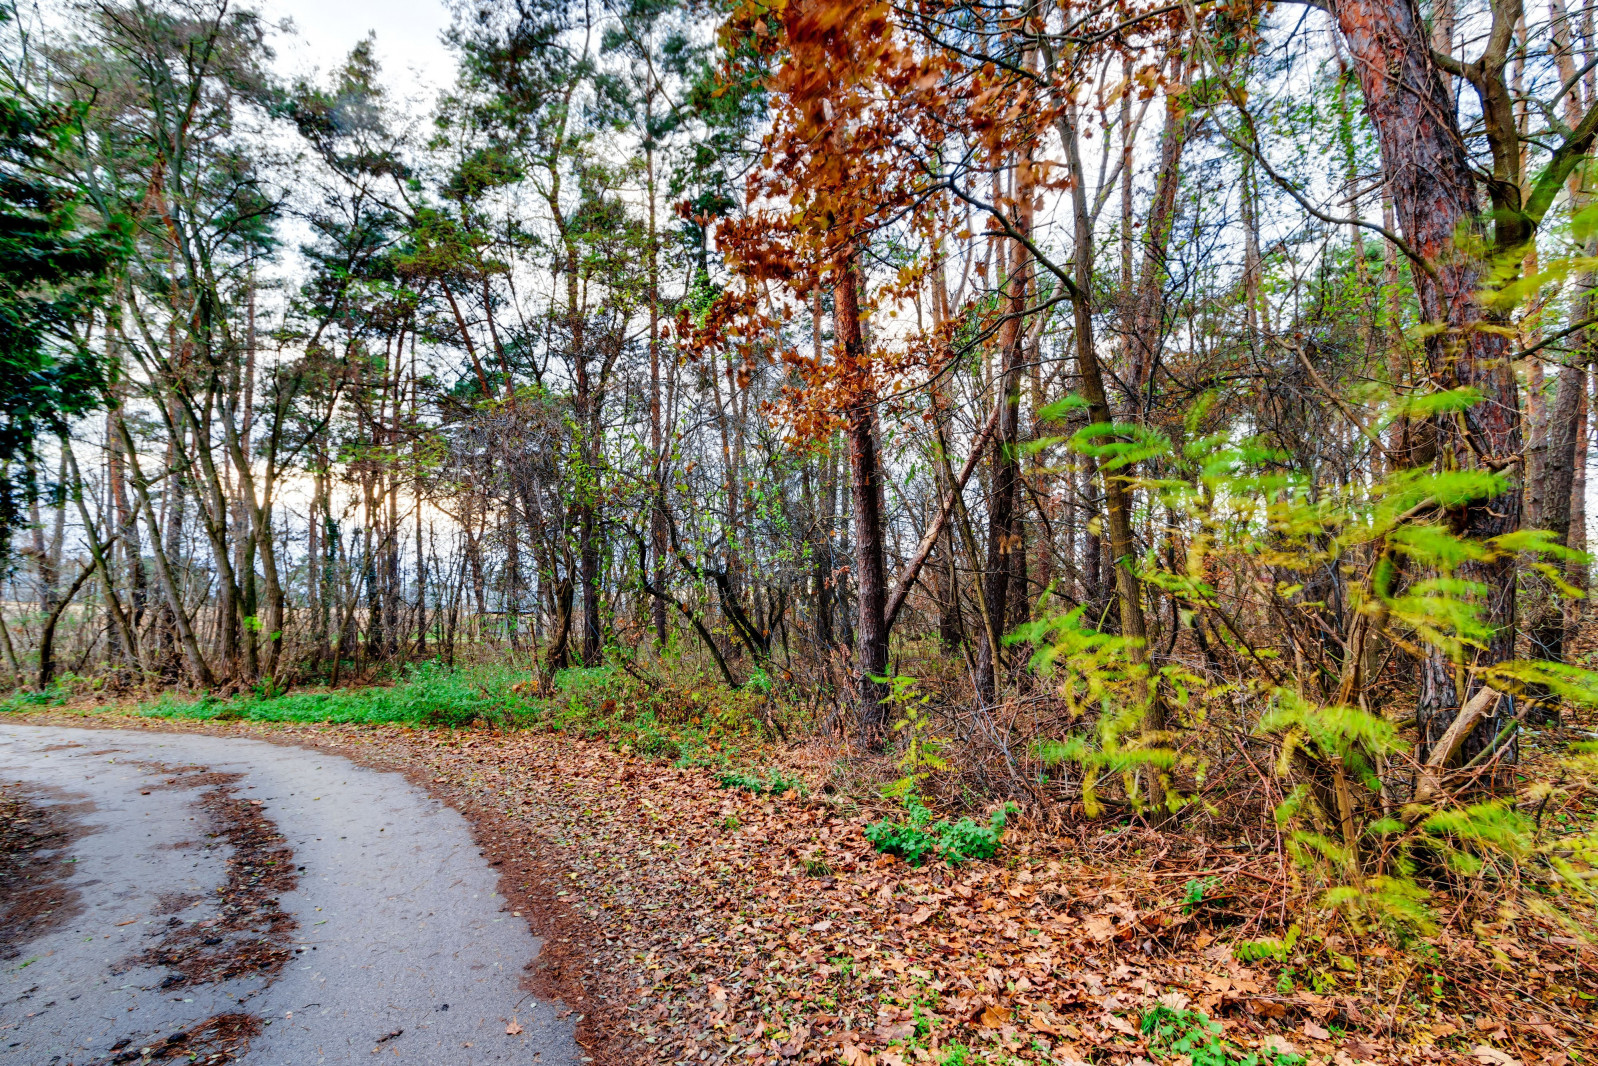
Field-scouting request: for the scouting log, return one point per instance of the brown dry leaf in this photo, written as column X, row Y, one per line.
column 1491, row 1056
column 1040, row 1023
column 796, row 1045
column 1361, row 1050
column 1279, row 1044
column 1268, row 1008
column 513, row 1029
column 995, row 1017
column 890, row 1057
column 1099, row 928
column 854, row 1056
column 921, row 915
column 1315, row 1032
column 1118, row 1023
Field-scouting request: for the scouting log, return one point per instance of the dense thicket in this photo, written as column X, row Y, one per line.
column 1124, row 379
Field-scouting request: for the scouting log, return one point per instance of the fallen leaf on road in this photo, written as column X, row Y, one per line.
column 513, row 1029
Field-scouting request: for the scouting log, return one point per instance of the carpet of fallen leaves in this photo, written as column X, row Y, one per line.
column 713, row 925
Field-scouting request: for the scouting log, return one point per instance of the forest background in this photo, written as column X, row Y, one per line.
column 1170, row 417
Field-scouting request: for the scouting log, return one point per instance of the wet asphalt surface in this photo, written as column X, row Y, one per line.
column 399, row 949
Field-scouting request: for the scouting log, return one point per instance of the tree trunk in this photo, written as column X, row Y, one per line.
column 1546, row 629
column 657, row 452
column 1148, row 305
column 871, row 567
column 1003, row 529
column 1434, row 192
column 1117, row 500
column 1555, row 498
column 163, row 568
column 47, row 636
column 592, row 625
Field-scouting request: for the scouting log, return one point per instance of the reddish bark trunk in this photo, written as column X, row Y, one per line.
column 1434, row 193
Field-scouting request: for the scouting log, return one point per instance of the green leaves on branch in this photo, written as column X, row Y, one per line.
column 1246, row 533
column 1346, row 733
column 1099, row 672
column 1117, row 445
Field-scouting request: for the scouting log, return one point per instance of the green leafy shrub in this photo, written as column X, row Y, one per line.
column 694, row 724
column 1190, row 1033
column 1196, row 891
column 775, row 784
column 1102, row 673
column 956, row 1055
column 1270, row 948
column 953, row 842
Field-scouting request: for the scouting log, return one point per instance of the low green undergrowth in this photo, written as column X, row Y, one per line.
column 22, row 700
column 773, row 784
column 428, row 694
column 954, row 842
column 685, row 720
column 690, row 721
column 1191, row 1035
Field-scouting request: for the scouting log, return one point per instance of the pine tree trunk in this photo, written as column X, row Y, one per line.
column 871, row 568
column 1434, row 192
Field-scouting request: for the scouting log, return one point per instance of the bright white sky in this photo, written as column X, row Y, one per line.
column 415, row 61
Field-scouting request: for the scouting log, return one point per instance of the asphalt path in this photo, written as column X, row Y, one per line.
column 386, row 943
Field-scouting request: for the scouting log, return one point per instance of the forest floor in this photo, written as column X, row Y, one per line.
column 692, row 920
